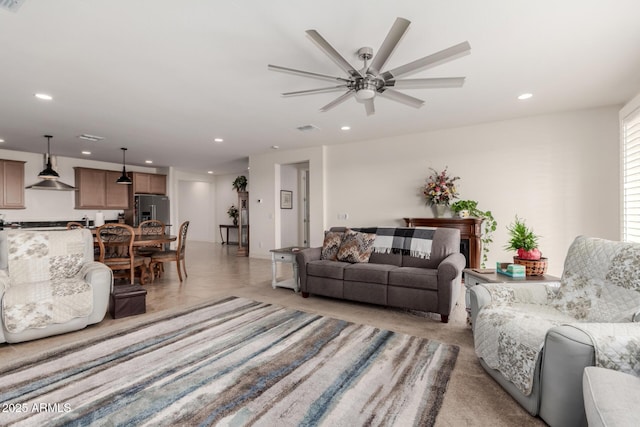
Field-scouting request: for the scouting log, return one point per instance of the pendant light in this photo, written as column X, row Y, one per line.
column 48, row 176
column 48, row 172
column 124, row 179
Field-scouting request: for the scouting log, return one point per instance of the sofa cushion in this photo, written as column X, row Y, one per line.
column 600, row 281
column 356, row 246
column 39, row 304
column 413, row 277
column 369, row 273
column 331, row 245
column 610, row 397
column 391, row 259
column 326, row 268
column 41, row 256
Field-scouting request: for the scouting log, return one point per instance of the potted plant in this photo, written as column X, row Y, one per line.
column 525, row 242
column 489, row 224
column 240, row 183
column 233, row 214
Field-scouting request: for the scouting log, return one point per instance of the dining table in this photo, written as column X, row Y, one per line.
column 142, row 240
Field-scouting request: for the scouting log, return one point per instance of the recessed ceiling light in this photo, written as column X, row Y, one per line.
column 86, row 153
column 345, row 128
column 44, row 96
column 210, row 172
column 1, row 141
column 218, row 140
column 525, row 96
column 275, row 147
column 148, row 161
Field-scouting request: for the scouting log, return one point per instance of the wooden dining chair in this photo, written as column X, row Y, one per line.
column 176, row 255
column 73, row 225
column 116, row 251
column 152, row 227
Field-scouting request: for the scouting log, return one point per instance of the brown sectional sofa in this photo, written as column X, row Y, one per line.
column 390, row 279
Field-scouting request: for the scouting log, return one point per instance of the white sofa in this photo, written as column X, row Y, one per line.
column 50, row 284
column 536, row 341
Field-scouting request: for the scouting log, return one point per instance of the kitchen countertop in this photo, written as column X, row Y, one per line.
column 42, row 225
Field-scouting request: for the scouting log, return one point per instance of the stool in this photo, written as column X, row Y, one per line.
column 127, row 300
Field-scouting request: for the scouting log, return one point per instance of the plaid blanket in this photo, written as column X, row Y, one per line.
column 405, row 240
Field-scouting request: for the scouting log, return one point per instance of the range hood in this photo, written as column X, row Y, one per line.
column 50, row 181
column 51, row 184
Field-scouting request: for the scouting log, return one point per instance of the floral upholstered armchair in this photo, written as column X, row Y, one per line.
column 535, row 340
column 49, row 283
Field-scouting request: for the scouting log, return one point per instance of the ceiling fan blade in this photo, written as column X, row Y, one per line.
column 321, row 90
column 402, row 98
column 437, row 82
column 306, row 73
column 389, row 44
column 429, row 61
column 338, row 100
column 369, row 107
column 333, row 54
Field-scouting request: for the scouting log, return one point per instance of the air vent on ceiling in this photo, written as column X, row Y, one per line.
column 91, row 138
column 12, row 5
column 307, row 128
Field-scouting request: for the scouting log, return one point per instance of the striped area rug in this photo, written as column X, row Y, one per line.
column 235, row 362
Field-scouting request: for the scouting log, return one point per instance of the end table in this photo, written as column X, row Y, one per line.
column 287, row 255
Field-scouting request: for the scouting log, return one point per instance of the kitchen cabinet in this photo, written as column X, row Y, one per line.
column 116, row 195
column 12, row 185
column 97, row 189
column 149, row 183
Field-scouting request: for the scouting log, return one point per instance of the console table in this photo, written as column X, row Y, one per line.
column 470, row 231
column 227, row 227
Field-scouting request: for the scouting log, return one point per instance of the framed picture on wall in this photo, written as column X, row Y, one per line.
column 286, row 199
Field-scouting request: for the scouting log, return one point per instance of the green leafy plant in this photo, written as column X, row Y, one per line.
column 233, row 213
column 523, row 240
column 489, row 224
column 240, row 183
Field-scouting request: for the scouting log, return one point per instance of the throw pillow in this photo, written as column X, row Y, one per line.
column 356, row 246
column 331, row 244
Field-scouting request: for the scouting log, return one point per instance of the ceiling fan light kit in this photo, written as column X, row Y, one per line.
column 124, row 178
column 370, row 81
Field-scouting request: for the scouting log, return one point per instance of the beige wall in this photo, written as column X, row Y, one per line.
column 559, row 172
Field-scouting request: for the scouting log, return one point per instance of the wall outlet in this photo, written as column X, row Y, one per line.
column 343, row 216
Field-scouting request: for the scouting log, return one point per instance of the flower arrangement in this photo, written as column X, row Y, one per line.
column 233, row 214
column 440, row 188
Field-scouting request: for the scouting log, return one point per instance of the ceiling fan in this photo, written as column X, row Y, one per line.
column 370, row 81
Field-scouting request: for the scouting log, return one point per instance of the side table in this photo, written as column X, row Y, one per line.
column 472, row 278
column 286, row 255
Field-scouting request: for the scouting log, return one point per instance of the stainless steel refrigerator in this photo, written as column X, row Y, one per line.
column 148, row 206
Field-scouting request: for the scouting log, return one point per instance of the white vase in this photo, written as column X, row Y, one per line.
column 439, row 210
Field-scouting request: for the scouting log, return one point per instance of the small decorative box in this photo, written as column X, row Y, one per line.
column 511, row 270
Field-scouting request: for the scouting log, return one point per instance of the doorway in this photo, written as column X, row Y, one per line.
column 294, row 217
